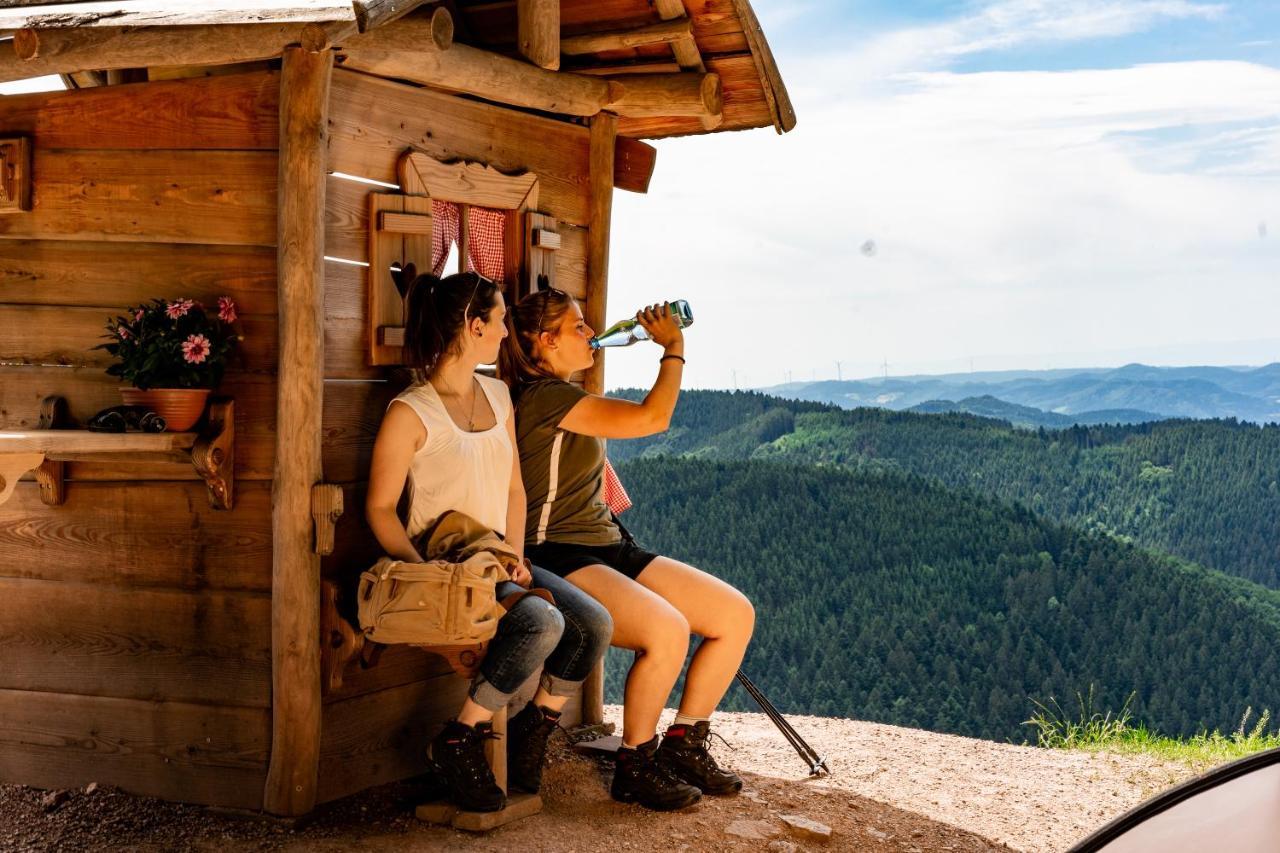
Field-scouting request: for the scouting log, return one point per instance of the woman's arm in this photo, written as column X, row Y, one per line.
column 605, row 417
column 400, row 436
column 517, row 506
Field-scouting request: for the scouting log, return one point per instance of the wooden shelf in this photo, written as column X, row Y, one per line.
column 45, row 450
column 72, row 445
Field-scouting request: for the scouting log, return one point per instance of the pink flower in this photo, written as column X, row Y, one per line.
column 122, row 332
column 178, row 308
column 137, row 315
column 195, row 348
column 226, row 310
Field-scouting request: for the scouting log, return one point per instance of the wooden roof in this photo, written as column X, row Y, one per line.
column 726, row 33
column 612, row 38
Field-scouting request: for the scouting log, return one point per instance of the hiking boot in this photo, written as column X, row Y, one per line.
column 641, row 778
column 527, row 734
column 684, row 752
column 459, row 752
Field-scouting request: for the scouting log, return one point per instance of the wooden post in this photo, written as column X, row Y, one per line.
column 604, row 132
column 295, row 581
column 538, row 32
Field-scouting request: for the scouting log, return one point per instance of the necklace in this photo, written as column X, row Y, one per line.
column 475, row 398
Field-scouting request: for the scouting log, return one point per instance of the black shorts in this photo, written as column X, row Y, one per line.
column 564, row 558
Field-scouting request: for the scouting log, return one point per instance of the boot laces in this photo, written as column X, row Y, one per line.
column 470, row 751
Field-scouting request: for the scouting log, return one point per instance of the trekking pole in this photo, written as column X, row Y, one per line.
column 817, row 763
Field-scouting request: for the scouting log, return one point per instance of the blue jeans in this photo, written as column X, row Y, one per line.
column 565, row 640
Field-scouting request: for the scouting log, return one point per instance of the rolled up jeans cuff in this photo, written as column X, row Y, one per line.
column 556, row 686
column 484, row 694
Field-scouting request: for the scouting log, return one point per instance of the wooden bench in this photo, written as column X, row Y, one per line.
column 342, row 645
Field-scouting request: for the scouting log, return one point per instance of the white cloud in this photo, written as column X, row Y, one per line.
column 1014, row 212
column 1001, row 25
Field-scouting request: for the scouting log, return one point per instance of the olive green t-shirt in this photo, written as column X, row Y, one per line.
column 563, row 471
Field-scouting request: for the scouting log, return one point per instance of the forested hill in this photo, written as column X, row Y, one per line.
column 887, row 597
column 1206, row 491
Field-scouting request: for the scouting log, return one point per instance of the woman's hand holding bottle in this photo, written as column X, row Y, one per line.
column 662, row 327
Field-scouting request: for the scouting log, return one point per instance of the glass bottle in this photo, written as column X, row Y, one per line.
column 624, row 333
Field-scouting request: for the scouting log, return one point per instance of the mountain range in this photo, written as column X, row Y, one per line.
column 1129, row 394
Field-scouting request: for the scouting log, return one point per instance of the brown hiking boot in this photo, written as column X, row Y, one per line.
column 684, row 751
column 641, row 778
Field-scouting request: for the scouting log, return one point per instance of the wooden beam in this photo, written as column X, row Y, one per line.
column 150, row 13
column 67, row 51
column 417, row 33
column 372, row 14
column 633, row 164
column 684, row 94
column 604, row 133
column 685, row 50
column 295, row 584
column 664, row 32
column 775, row 91
column 482, row 73
column 538, row 32
column 509, row 81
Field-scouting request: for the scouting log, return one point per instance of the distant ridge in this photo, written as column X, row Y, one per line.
column 1030, row 417
column 1088, row 395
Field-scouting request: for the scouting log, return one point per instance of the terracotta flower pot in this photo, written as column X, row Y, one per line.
column 180, row 407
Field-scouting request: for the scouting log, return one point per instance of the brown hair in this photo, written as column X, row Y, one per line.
column 538, row 312
column 438, row 310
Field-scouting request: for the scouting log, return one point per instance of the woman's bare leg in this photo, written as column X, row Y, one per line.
column 659, row 635
column 720, row 614
column 472, row 713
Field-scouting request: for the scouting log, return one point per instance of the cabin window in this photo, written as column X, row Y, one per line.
column 482, row 229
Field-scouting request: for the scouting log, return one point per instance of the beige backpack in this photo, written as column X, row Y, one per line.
column 438, row 603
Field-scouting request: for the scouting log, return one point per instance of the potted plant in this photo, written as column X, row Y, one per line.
column 172, row 354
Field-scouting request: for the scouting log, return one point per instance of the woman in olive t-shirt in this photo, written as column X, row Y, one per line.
column 655, row 601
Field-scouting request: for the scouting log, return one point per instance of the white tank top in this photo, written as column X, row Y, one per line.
column 459, row 470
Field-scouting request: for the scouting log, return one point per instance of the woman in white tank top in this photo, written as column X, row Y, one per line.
column 450, row 438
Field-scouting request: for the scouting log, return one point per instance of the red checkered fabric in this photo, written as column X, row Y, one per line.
column 486, row 252
column 615, row 496
column 445, row 224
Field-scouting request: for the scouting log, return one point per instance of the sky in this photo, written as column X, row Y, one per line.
column 975, row 186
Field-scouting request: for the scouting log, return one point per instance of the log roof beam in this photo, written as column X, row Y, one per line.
column 505, row 80
column 538, row 32
column 150, row 13
column 71, row 51
column 663, row 32
column 686, row 49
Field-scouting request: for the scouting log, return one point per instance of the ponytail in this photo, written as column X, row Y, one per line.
column 437, row 310
column 538, row 312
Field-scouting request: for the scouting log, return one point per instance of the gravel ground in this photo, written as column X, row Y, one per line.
column 891, row 789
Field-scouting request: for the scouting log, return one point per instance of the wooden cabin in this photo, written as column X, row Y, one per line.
column 160, row 596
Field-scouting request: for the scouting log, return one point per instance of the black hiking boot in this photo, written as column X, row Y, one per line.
column 641, row 778
column 684, row 751
column 459, row 752
column 527, row 734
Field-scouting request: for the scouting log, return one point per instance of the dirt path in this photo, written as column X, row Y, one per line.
column 891, row 790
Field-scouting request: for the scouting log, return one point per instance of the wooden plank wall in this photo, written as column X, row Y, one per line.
column 376, row 728
column 134, row 620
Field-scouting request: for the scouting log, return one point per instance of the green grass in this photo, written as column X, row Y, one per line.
column 1094, row 730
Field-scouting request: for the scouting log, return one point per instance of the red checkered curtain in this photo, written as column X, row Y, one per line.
column 445, row 225
column 615, row 496
column 487, row 231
